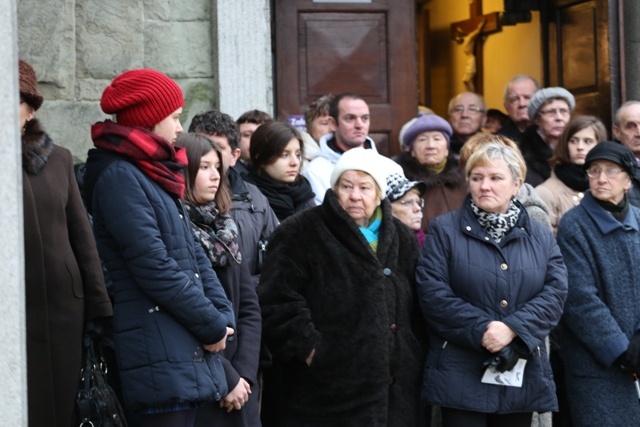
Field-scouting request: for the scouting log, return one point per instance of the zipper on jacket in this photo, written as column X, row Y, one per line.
column 154, row 309
column 444, row 344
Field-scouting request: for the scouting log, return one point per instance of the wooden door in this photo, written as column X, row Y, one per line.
column 579, row 56
column 363, row 46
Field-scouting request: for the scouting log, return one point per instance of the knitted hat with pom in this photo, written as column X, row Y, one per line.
column 141, row 97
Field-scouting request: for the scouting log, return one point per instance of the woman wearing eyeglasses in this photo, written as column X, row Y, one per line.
column 406, row 200
column 599, row 240
column 550, row 110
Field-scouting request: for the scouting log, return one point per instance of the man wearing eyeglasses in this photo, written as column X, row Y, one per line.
column 517, row 94
column 626, row 129
column 467, row 114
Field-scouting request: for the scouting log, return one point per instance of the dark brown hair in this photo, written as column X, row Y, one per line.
column 256, row 117
column 197, row 145
column 319, row 107
column 575, row 125
column 269, row 141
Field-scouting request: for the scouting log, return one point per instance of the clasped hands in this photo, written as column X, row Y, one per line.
column 498, row 338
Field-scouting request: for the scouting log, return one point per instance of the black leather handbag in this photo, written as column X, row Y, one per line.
column 97, row 404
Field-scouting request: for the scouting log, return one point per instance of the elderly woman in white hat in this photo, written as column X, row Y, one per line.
column 339, row 309
column 550, row 110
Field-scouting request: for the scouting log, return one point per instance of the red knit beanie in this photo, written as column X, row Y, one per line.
column 142, row 97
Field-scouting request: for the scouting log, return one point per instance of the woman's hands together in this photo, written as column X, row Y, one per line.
column 497, row 336
column 237, row 398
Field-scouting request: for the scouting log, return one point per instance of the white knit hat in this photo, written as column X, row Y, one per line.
column 364, row 160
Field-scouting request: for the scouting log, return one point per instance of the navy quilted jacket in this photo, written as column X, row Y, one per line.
column 466, row 280
column 167, row 299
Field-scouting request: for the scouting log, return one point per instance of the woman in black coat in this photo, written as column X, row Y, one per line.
column 339, row 309
column 277, row 152
column 208, row 200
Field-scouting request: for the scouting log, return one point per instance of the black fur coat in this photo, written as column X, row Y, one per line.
column 324, row 288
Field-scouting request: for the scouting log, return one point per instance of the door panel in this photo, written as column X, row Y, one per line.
column 579, row 57
column 365, row 48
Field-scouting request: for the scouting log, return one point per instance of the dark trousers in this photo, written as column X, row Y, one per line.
column 459, row 418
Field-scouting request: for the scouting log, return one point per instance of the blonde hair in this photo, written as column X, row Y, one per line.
column 488, row 153
column 480, row 139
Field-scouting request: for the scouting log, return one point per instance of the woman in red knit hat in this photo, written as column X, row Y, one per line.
column 171, row 315
column 63, row 277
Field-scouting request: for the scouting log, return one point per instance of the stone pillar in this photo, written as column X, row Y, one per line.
column 13, row 357
column 242, row 56
column 631, row 15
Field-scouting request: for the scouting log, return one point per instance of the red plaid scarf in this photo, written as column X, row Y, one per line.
column 155, row 156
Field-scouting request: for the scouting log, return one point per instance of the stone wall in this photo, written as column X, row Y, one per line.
column 78, row 46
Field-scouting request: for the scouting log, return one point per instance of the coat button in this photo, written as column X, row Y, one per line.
column 197, row 275
column 486, row 237
column 504, row 266
column 468, row 228
column 504, row 303
column 394, row 328
column 386, row 272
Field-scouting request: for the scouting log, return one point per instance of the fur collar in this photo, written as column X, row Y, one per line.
column 451, row 176
column 36, row 147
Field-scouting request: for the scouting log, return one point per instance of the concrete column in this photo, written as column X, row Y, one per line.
column 13, row 357
column 631, row 15
column 242, row 57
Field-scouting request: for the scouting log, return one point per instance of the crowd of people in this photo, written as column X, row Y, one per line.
column 255, row 274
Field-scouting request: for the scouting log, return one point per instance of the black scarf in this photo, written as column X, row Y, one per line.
column 573, row 176
column 618, row 211
column 284, row 199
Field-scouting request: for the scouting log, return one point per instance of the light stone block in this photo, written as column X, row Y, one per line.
column 69, row 124
column 110, row 37
column 179, row 49
column 177, row 10
column 46, row 39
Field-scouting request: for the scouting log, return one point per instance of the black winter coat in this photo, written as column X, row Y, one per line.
column 536, row 153
column 466, row 280
column 323, row 288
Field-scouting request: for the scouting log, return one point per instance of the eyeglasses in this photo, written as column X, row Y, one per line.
column 609, row 172
column 418, row 202
column 471, row 108
column 562, row 111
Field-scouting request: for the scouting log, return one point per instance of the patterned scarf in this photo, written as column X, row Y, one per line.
column 497, row 225
column 156, row 157
column 218, row 234
column 372, row 232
